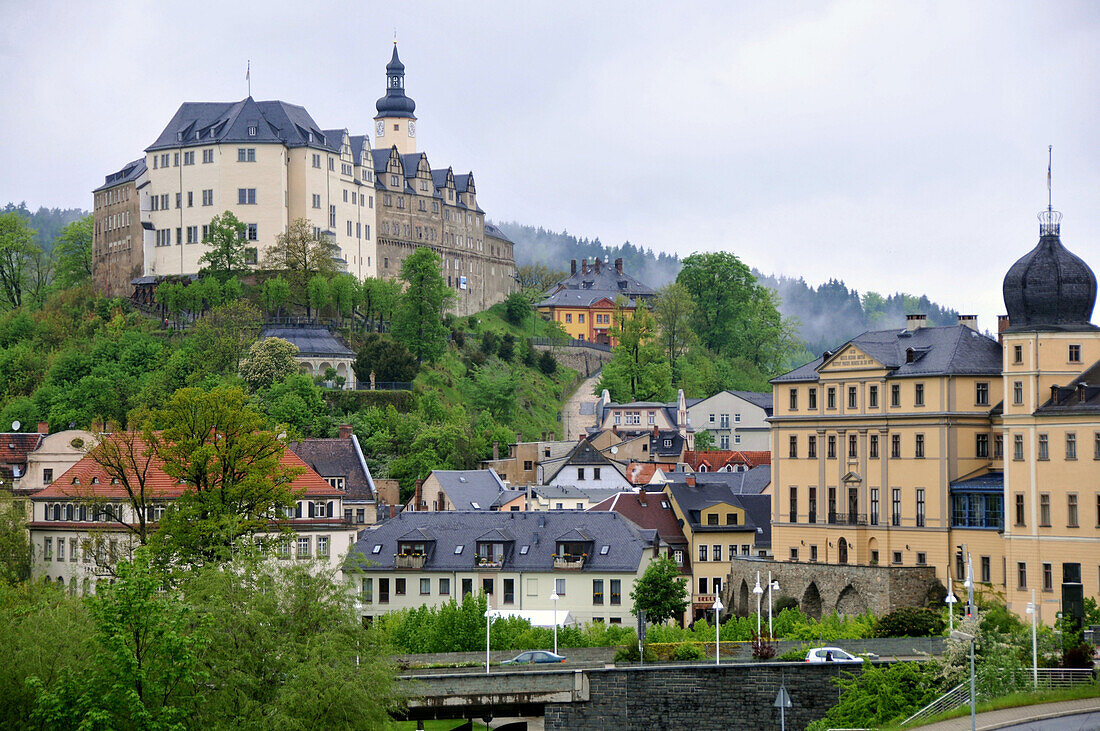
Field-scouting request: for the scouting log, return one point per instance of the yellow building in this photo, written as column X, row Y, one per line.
column 903, row 445
column 587, row 302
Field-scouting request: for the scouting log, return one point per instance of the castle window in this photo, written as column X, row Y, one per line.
column 1018, row 447
column 830, row 398
column 872, row 446
column 981, row 394
column 872, row 397
column 852, row 397
column 895, row 395
column 1074, row 353
column 1044, row 509
column 918, row 450
column 1071, row 445
column 981, row 449
column 1017, row 354
column 1017, row 392
column 811, row 447
column 918, row 394
column 1044, row 447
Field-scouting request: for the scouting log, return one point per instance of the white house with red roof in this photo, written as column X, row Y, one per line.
column 81, row 523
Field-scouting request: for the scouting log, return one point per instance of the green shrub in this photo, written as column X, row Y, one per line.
column 910, row 622
column 795, row 654
column 490, row 343
column 688, row 651
column 547, row 363
column 629, row 653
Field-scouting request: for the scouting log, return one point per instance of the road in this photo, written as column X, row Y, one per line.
column 572, row 422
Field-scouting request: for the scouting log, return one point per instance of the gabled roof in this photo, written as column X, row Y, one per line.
column 312, row 340
column 129, row 173
column 496, row 535
column 657, row 443
column 1081, row 396
column 584, row 298
column 537, row 532
column 716, row 459
column 472, row 489
column 753, row 481
column 763, row 400
column 926, row 351
column 496, row 233
column 338, row 458
column 647, row 510
column 693, row 500
column 205, row 123
column 607, row 279
column 87, row 479
column 583, row 454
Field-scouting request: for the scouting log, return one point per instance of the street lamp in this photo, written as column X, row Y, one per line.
column 967, row 637
column 759, row 594
column 488, row 621
column 554, row 598
column 951, row 600
column 717, row 607
column 771, row 585
column 1033, row 610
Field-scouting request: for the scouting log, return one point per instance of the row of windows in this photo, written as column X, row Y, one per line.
column 853, row 515
column 613, row 595
column 853, row 446
column 1069, row 451
column 981, row 396
column 161, row 161
column 715, row 550
column 164, row 237
column 1073, row 353
column 1072, row 510
column 118, row 195
column 897, row 558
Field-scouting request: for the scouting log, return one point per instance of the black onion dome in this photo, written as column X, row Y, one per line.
column 1049, row 288
column 395, row 103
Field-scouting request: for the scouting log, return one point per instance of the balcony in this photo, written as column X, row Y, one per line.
column 409, row 560
column 569, row 563
column 848, row 518
column 487, row 563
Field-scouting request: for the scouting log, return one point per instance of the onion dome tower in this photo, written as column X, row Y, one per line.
column 395, row 123
column 1049, row 288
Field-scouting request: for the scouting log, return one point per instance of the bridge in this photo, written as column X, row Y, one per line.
column 697, row 696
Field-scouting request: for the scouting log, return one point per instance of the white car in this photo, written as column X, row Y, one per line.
column 831, row 654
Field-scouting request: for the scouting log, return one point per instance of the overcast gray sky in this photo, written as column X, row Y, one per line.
column 896, row 145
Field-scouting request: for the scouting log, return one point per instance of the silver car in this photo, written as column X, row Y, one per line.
column 831, row 654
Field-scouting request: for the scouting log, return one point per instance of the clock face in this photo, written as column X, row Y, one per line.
column 380, row 128
column 412, row 129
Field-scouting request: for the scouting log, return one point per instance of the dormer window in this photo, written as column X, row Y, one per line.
column 95, row 480
column 251, row 131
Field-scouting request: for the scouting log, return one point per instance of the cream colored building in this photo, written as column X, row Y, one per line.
column 55, row 454
column 518, row 559
column 903, row 446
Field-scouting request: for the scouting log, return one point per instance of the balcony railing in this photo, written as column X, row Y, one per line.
column 848, row 518
column 569, row 562
column 409, row 560
column 487, row 563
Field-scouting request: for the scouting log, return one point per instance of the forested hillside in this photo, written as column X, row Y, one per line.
column 47, row 222
column 826, row 315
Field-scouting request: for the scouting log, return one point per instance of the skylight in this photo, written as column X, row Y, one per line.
column 476, row 506
column 458, row 550
column 523, row 550
column 377, row 548
column 604, row 550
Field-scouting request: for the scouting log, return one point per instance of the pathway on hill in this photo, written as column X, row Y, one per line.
column 573, row 421
column 1075, row 715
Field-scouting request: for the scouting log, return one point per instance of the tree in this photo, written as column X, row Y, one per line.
column 216, row 445
column 638, row 370
column 319, row 295
column 704, row 441
column 418, row 322
column 15, row 549
column 547, row 363
column 269, row 360
column 297, row 402
column 18, row 254
column 226, row 256
column 225, row 332
column 299, row 254
column 507, row 349
column 126, row 456
column 535, row 279
column 274, row 294
column 390, row 361
column 516, row 308
column 73, row 253
column 673, row 311
column 343, row 293
column 661, row 592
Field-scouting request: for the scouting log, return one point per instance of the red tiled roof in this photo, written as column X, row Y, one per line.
column 640, row 473
column 14, row 447
column 717, row 459
column 94, row 480
column 652, row 515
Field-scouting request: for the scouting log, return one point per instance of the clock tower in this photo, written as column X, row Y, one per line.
column 395, row 123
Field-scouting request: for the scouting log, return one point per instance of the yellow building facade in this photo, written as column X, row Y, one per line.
column 903, row 445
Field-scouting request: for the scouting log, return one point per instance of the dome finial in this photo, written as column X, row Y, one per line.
column 1050, row 220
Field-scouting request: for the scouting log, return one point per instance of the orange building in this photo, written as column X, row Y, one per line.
column 585, row 302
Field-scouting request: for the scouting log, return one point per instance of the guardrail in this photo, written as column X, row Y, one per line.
column 570, row 344
column 383, row 386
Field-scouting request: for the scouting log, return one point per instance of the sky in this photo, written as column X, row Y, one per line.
column 900, row 146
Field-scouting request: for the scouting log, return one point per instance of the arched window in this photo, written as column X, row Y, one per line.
column 842, row 550
column 312, row 509
column 110, row 512
column 57, row 511
column 87, row 586
column 69, row 511
column 83, row 512
column 331, row 510
column 60, row 581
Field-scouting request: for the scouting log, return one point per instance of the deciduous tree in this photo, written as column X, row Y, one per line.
column 673, row 313
column 418, row 323
column 661, row 592
column 269, row 360
column 275, row 293
column 299, row 254
column 638, row 370
column 226, row 256
column 73, row 253
column 18, row 254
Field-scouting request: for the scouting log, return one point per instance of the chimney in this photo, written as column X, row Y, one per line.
column 619, row 266
column 344, row 430
column 43, row 427
column 615, row 429
column 393, row 511
column 970, row 321
column 597, row 264
column 641, row 498
column 584, row 266
column 441, row 501
column 418, row 496
column 913, row 322
column 519, row 437
column 496, row 450
column 572, row 267
column 690, row 479
column 1002, row 324
column 656, row 431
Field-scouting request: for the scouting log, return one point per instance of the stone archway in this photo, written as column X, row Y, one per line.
column 842, row 550
column 743, row 599
column 811, row 601
column 850, row 601
column 306, row 368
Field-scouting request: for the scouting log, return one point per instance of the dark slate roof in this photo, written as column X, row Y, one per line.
column 395, row 103
column 657, row 443
column 496, row 233
column 583, row 298
column 572, row 492
column 130, row 172
column 693, row 500
column 608, row 280
column 204, row 123
column 357, row 143
column 338, row 458
column 537, row 530
column 763, row 400
column 508, row 496
column 312, row 340
column 1049, row 288
column 334, row 139
column 467, row 487
column 954, row 350
column 990, row 482
column 1081, row 396
column 647, row 510
column 752, row 481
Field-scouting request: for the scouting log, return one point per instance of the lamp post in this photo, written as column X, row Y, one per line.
column 771, row 585
column 950, row 599
column 1033, row 610
column 554, row 598
column 488, row 621
column 717, row 607
column 966, row 637
column 759, row 595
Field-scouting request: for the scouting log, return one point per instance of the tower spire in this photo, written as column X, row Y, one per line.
column 1050, row 220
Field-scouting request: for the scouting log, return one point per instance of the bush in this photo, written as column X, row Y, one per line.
column 489, row 343
column 459, row 337
column 785, row 602
column 629, row 653
column 507, row 349
column 516, row 308
column 910, row 622
column 762, row 648
column 795, row 654
column 688, row 651
column 389, row 359
column 547, row 364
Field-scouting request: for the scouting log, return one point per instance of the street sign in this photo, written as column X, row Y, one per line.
column 782, row 698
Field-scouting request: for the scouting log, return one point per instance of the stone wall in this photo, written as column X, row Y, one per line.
column 585, row 361
column 822, row 588
column 699, row 697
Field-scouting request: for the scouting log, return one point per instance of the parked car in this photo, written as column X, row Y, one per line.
column 534, row 656
column 831, row 654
